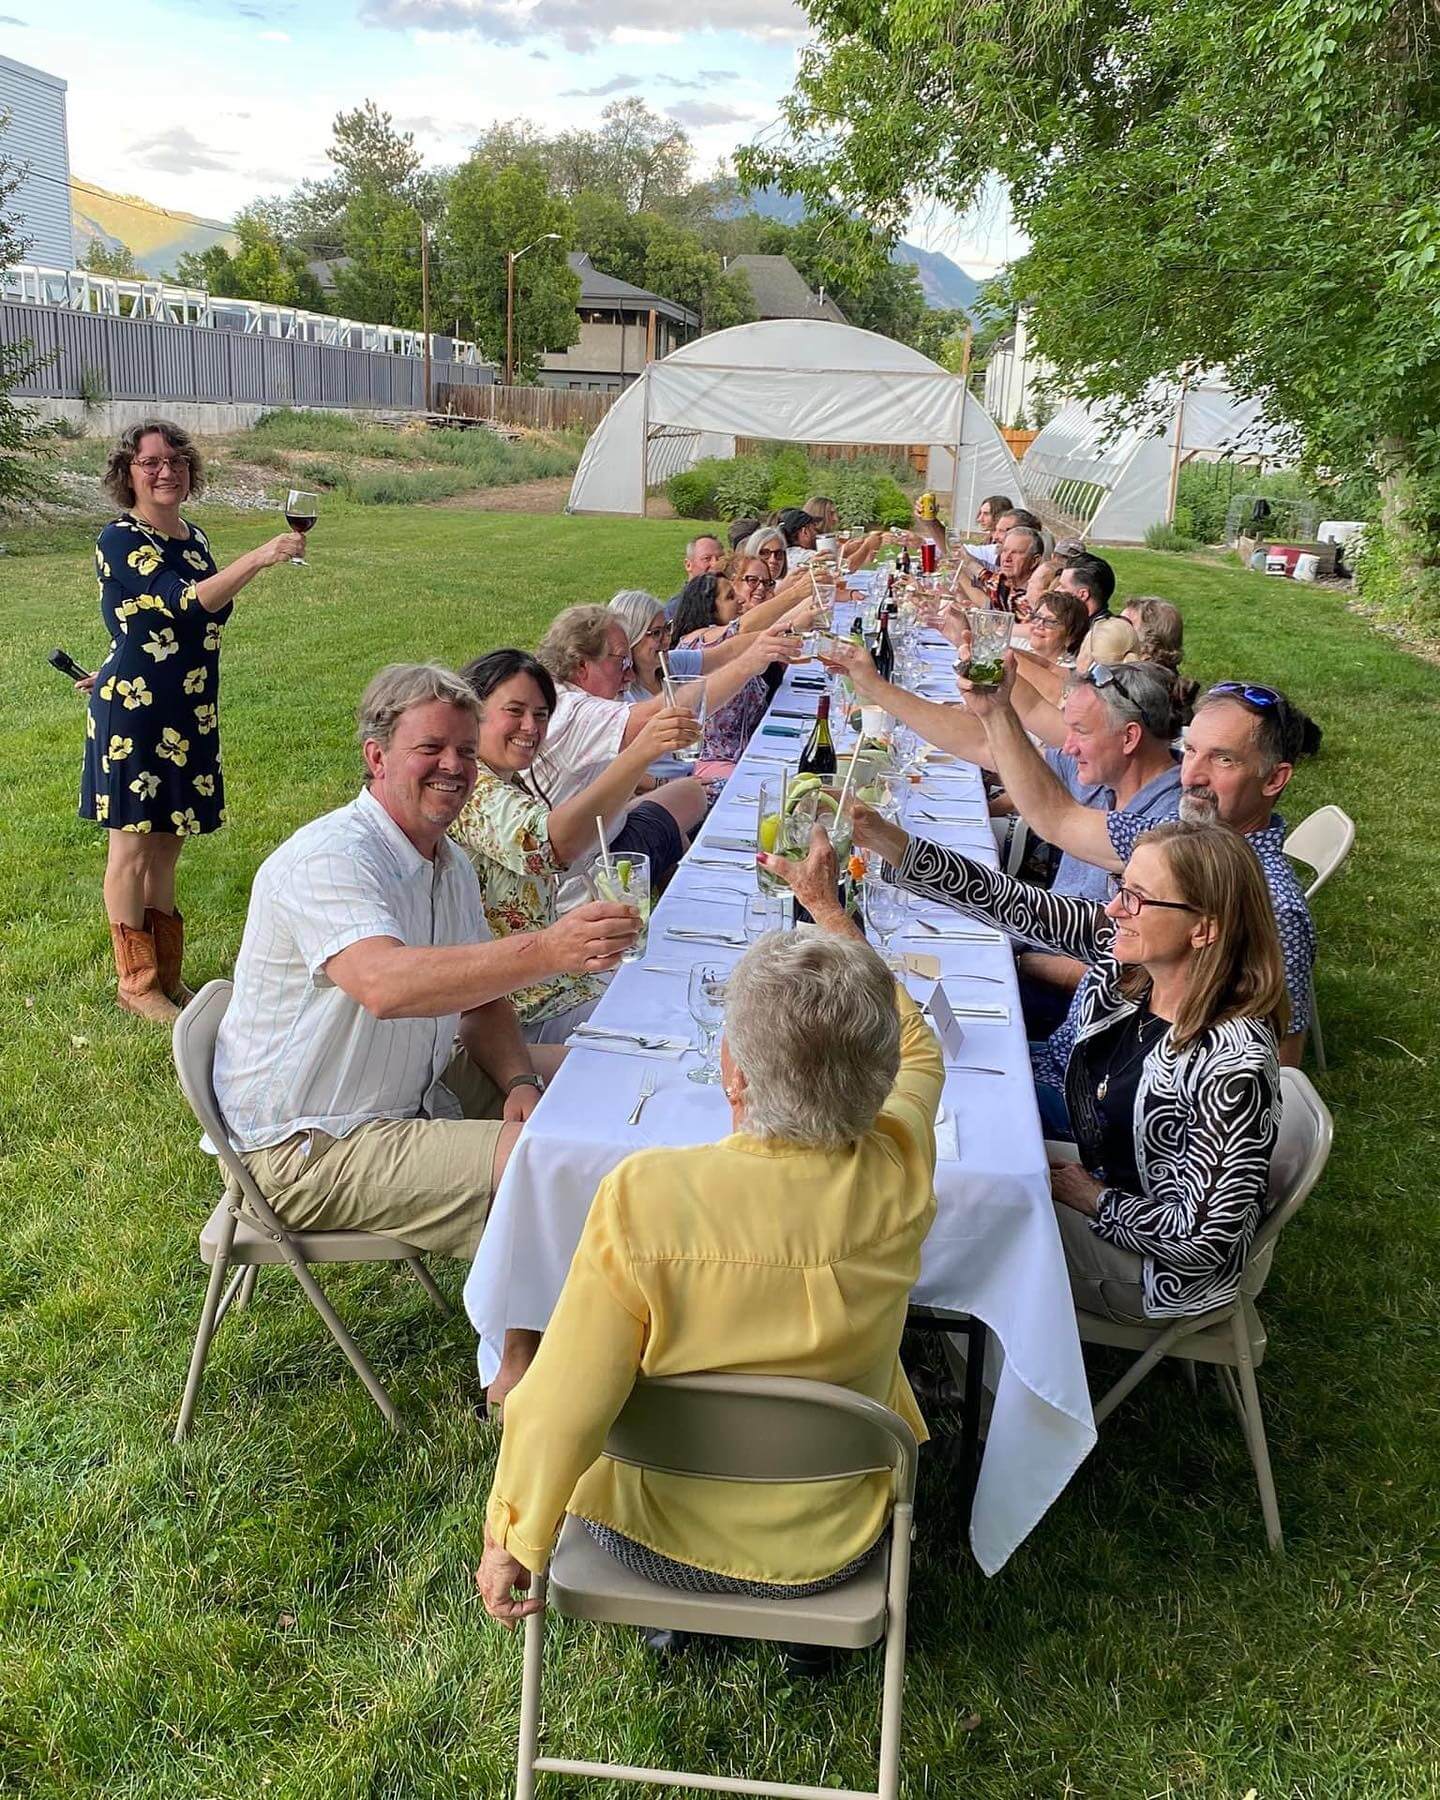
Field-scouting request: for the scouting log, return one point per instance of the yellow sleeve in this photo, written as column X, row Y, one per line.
column 558, row 1416
column 915, row 1098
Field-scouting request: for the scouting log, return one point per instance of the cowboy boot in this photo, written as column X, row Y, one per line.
column 168, row 930
column 139, row 987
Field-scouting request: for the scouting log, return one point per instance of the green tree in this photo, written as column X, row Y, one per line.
column 379, row 279
column 261, row 267
column 493, row 211
column 1246, row 183
column 108, row 259
column 21, row 431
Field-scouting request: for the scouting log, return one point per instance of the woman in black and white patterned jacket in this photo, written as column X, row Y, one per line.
column 1173, row 1084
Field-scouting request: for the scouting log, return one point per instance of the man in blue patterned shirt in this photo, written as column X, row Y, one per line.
column 1240, row 751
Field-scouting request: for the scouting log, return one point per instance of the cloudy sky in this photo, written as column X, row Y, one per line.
column 205, row 104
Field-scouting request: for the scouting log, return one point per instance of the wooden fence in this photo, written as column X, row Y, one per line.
column 539, row 408
column 1019, row 441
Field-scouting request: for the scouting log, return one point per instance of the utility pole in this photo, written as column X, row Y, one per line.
column 425, row 303
column 510, row 319
column 1177, row 454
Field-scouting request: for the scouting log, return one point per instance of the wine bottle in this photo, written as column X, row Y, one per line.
column 884, row 649
column 818, row 756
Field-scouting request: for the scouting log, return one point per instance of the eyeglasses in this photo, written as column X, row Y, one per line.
column 153, row 464
column 757, row 580
column 1046, row 619
column 1252, row 696
column 1132, row 904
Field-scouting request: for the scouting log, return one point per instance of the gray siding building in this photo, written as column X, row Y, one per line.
column 33, row 132
column 622, row 327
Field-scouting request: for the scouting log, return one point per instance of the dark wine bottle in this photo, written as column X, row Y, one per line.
column 818, row 756
column 884, row 649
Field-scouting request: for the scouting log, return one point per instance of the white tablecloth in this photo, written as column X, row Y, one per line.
column 994, row 1249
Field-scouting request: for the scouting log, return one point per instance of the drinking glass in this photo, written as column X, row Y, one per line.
column 706, row 999
column 301, row 511
column 989, row 640
column 625, row 883
column 763, row 912
column 694, row 698
column 785, row 815
column 886, row 909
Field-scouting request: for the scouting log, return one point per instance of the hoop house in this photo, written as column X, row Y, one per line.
column 803, row 381
column 1115, row 483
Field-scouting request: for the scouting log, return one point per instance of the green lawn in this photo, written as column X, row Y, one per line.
column 285, row 1605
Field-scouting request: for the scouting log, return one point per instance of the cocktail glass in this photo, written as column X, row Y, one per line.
column 625, row 883
column 989, row 640
column 787, row 811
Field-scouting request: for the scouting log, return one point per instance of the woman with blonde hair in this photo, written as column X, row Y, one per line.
column 1108, row 641
column 1169, row 1060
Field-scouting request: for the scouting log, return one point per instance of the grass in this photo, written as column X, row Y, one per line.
column 284, row 1606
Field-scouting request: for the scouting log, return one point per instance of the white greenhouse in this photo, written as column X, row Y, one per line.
column 802, row 381
column 1083, row 474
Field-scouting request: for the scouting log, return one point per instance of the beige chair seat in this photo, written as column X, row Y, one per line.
column 586, row 1582
column 1212, row 1343
column 252, row 1244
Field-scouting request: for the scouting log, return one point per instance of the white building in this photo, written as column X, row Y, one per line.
column 33, row 132
column 1016, row 381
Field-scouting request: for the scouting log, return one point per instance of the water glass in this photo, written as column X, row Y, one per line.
column 625, row 883
column 784, row 820
column 989, row 640
column 763, row 912
column 696, row 700
column 886, row 909
column 706, row 998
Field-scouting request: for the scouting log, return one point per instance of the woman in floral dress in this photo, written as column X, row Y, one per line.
column 520, row 845
column 152, row 772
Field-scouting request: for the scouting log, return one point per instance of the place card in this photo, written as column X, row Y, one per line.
column 927, row 967
column 942, row 1017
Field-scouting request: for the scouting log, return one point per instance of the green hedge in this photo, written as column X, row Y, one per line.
column 865, row 492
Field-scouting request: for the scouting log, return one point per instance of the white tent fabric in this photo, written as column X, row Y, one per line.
column 1116, row 484
column 806, row 381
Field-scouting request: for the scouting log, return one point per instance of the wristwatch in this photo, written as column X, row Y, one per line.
column 534, row 1081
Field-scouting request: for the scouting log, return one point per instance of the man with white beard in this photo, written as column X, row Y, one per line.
column 1239, row 753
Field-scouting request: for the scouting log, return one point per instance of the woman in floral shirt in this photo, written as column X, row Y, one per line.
column 152, row 753
column 520, row 845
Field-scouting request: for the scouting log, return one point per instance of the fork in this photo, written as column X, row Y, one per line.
column 647, row 1088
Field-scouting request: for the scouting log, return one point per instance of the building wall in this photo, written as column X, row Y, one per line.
column 595, row 363
column 36, row 134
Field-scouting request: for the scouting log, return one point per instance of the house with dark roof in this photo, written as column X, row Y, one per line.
column 781, row 291
column 622, row 327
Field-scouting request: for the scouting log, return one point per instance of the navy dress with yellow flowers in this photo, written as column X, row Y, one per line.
column 152, row 751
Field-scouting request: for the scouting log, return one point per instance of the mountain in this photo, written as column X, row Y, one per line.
column 155, row 237
column 943, row 282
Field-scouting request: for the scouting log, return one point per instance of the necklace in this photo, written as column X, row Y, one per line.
column 1102, row 1087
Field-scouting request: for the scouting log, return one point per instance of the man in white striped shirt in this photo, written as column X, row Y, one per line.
column 365, row 957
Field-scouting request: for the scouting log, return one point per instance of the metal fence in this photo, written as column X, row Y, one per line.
column 541, row 408
column 99, row 358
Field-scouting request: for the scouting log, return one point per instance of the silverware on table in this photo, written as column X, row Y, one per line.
column 647, row 1088
column 603, row 1034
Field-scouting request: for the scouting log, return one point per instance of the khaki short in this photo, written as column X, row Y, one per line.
column 427, row 1181
column 1104, row 1278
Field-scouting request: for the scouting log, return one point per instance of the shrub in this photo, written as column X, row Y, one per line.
column 742, row 488
column 692, row 492
column 892, row 503
column 1161, row 536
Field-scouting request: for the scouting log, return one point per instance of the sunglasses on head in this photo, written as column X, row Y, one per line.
column 1252, row 696
column 1103, row 675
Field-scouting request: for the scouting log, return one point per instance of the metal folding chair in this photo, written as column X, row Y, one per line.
column 1232, row 1338
column 753, row 1429
column 1322, row 842
column 243, row 1233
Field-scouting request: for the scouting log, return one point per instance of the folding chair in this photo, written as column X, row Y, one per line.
column 1321, row 842
column 244, row 1233
column 1232, row 1337
column 740, row 1428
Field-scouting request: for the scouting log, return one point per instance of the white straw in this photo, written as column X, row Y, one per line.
column 604, row 847
column 666, row 680
column 849, row 776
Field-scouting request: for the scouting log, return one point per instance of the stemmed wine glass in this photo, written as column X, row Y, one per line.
column 301, row 511
column 707, row 1008
column 886, row 909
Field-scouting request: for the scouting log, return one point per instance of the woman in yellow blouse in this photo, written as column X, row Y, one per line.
column 520, row 845
column 788, row 1248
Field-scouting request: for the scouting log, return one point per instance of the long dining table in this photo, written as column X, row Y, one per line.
column 994, row 1251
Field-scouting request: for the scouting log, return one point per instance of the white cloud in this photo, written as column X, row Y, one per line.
column 177, row 152
column 617, row 84
column 274, row 37
column 708, row 112
column 581, row 23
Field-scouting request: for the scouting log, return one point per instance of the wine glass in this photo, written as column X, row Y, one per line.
column 886, row 909
column 301, row 511
column 706, row 998
column 763, row 912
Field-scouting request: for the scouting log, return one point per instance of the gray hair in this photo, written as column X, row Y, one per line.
column 757, row 540
column 705, row 537
column 1037, row 540
column 636, row 610
column 811, row 1020
column 1141, row 694
column 577, row 635
column 401, row 686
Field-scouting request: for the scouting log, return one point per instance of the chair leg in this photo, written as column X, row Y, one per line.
column 247, row 1287
column 1192, row 1380
column 342, row 1337
column 209, row 1319
column 1138, row 1370
column 233, row 1295
column 1231, row 1392
column 976, row 1337
column 1255, row 1435
column 530, row 1680
column 893, row 1693
column 416, row 1266
column 1317, row 1040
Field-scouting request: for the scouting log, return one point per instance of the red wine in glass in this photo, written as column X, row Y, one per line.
column 301, row 511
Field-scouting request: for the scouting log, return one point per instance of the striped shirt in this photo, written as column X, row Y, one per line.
column 295, row 1052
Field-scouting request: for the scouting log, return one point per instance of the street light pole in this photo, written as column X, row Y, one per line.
column 511, row 258
column 425, row 302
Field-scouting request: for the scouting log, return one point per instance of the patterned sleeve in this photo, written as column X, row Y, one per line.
column 1069, row 927
column 1206, row 1185
column 1297, row 947
column 1124, row 829
column 133, row 574
column 503, row 824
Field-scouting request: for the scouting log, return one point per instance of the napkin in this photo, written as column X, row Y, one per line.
column 947, row 1136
